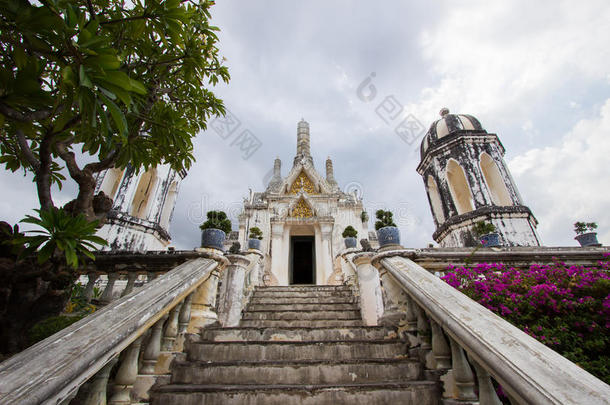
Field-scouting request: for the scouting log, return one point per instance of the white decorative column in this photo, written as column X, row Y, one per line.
column 230, row 305
column 371, row 300
column 323, row 271
column 278, row 267
column 242, row 238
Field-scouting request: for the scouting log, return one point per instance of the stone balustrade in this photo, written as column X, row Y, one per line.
column 437, row 259
column 454, row 335
column 137, row 335
column 116, row 274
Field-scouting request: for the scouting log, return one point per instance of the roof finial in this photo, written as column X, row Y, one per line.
column 444, row 111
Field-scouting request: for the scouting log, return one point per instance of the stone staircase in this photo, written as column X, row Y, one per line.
column 297, row 345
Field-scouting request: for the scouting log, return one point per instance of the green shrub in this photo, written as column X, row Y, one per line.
column 584, row 227
column 349, row 232
column 217, row 220
column 52, row 325
column 255, row 233
column 384, row 218
column 481, row 228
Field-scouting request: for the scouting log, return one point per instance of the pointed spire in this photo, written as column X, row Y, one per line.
column 276, row 180
column 303, row 142
column 303, row 138
column 330, row 173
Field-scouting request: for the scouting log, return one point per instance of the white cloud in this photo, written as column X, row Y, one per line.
column 504, row 58
column 569, row 182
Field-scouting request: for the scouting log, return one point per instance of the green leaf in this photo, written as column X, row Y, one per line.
column 21, row 58
column 84, row 80
column 137, row 87
column 46, row 252
column 117, row 115
column 111, row 62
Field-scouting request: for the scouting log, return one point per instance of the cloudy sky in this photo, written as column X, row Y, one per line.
column 535, row 73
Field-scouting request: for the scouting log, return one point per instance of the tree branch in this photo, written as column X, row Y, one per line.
column 106, row 163
column 91, row 10
column 68, row 156
column 24, row 117
column 27, row 151
column 43, row 174
column 121, row 20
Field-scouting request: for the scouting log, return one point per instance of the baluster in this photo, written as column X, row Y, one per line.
column 131, row 280
column 424, row 335
column 487, row 392
column 171, row 329
column 440, row 347
column 126, row 375
column 153, row 347
column 91, row 278
column 108, row 291
column 462, row 374
column 99, row 384
column 394, row 298
column 411, row 326
column 185, row 314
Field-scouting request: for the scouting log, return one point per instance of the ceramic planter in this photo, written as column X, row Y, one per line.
column 254, row 244
column 350, row 242
column 490, row 240
column 213, row 238
column 588, row 239
column 388, row 235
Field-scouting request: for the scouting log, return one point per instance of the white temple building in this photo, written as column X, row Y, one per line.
column 302, row 217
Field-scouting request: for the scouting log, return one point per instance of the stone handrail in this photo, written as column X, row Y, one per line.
column 529, row 372
column 52, row 370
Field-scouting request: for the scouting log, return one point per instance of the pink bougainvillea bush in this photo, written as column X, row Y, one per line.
column 565, row 307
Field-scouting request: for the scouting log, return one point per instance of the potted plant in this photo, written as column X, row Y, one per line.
column 349, row 235
column 585, row 233
column 255, row 237
column 364, row 216
column 486, row 232
column 387, row 232
column 214, row 231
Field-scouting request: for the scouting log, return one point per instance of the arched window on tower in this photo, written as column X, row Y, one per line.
column 144, row 193
column 168, row 206
column 435, row 200
column 112, row 181
column 458, row 185
column 495, row 182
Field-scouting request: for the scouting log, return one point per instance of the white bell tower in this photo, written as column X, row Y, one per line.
column 467, row 181
column 142, row 207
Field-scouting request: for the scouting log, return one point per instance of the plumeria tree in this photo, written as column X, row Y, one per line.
column 121, row 81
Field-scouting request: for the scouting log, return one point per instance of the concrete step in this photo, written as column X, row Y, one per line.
column 297, row 334
column 299, row 323
column 302, row 307
column 302, row 300
column 315, row 288
column 291, row 372
column 303, row 294
column 312, row 350
column 301, row 315
column 408, row 393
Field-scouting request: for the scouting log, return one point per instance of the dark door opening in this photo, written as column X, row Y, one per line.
column 302, row 260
